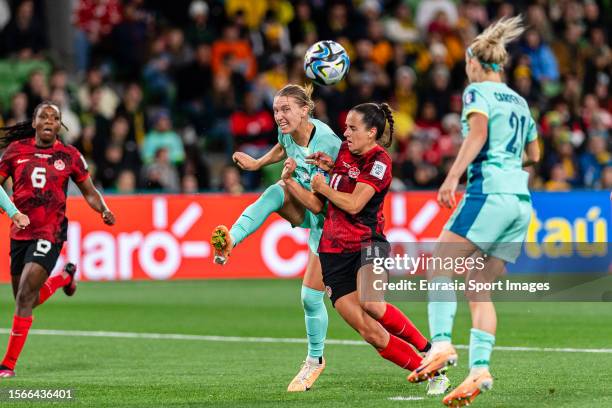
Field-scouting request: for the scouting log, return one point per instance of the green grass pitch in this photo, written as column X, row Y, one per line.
column 136, row 372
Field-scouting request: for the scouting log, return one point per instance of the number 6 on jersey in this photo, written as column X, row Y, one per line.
column 39, row 177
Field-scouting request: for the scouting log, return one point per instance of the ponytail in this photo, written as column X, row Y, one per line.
column 490, row 46
column 388, row 136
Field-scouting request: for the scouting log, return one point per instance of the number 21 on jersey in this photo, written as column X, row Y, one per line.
column 518, row 126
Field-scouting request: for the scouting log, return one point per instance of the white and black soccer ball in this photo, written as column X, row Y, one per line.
column 326, row 63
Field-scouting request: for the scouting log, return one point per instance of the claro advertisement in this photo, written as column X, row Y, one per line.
column 162, row 237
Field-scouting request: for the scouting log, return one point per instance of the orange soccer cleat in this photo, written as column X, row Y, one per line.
column 308, row 374
column 469, row 389
column 221, row 241
column 435, row 361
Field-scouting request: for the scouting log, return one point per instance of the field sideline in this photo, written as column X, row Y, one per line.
column 239, row 342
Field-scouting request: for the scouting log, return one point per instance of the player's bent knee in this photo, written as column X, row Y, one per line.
column 374, row 309
column 312, row 299
column 372, row 336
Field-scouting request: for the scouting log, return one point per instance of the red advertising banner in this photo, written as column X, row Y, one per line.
column 166, row 237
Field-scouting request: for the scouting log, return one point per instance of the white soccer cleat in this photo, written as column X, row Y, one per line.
column 438, row 385
column 307, row 375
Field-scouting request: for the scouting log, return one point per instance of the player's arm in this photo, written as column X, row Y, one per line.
column 532, row 147
column 351, row 203
column 246, row 162
column 310, row 200
column 471, row 146
column 20, row 220
column 95, row 200
column 532, row 153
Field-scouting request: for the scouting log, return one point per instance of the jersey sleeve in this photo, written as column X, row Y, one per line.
column 474, row 102
column 377, row 172
column 532, row 131
column 79, row 171
column 6, row 162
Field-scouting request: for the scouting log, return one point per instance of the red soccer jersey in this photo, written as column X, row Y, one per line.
column 343, row 232
column 40, row 180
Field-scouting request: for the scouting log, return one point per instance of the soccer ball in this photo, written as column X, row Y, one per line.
column 326, row 63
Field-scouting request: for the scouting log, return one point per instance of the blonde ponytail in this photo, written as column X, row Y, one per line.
column 490, row 46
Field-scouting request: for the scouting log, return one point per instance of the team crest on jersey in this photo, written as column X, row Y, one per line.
column 469, row 97
column 378, row 170
column 353, row 172
column 59, row 164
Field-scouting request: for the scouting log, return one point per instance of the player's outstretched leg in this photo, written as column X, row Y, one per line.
column 223, row 241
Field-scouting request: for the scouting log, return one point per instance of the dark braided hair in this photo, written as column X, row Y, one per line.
column 377, row 115
column 24, row 130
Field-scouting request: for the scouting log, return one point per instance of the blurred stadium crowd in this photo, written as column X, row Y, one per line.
column 158, row 94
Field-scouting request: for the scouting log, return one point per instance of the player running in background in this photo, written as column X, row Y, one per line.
column 40, row 166
column 494, row 214
column 353, row 236
column 298, row 136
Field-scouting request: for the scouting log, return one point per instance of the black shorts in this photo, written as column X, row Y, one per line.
column 340, row 269
column 40, row 251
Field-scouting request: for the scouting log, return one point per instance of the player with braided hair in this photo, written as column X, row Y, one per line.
column 41, row 167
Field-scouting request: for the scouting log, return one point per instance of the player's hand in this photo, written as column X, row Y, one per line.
column 21, row 220
column 321, row 160
column 108, row 217
column 289, row 168
column 446, row 193
column 318, row 183
column 245, row 162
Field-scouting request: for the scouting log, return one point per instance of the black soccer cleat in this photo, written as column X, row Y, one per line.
column 71, row 287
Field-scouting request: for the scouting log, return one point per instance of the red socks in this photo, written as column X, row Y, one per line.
column 19, row 333
column 51, row 285
column 398, row 324
column 400, row 353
